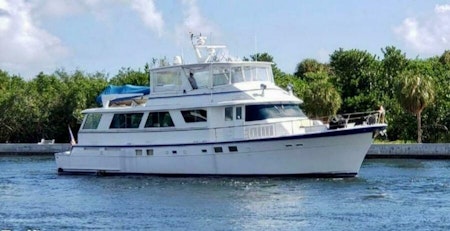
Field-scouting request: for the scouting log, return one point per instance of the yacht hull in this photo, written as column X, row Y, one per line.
column 331, row 153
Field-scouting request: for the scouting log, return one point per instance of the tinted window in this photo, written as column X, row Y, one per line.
column 130, row 120
column 193, row 116
column 92, row 121
column 159, row 119
column 228, row 113
column 262, row 112
column 238, row 113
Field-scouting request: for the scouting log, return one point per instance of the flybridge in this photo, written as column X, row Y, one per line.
column 214, row 71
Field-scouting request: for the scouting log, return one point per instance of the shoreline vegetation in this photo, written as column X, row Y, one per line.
column 415, row 94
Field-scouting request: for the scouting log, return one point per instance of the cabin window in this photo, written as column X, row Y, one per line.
column 167, row 80
column 129, row 120
column 248, row 73
column 92, row 121
column 232, row 148
column 221, row 76
column 159, row 119
column 228, row 113
column 262, row 112
column 236, row 75
column 238, row 113
column 257, row 73
column 192, row 116
column 201, row 76
column 261, row 74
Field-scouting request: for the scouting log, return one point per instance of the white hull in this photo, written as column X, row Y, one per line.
column 322, row 154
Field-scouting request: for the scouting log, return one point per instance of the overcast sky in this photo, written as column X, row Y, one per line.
column 106, row 35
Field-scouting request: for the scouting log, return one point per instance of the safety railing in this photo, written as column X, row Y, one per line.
column 355, row 119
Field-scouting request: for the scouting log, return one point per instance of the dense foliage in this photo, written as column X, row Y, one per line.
column 414, row 92
column 45, row 106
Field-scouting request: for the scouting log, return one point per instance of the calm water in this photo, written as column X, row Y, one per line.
column 387, row 195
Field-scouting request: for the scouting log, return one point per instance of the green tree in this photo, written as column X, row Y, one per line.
column 393, row 64
column 309, row 65
column 436, row 116
column 130, row 76
column 445, row 58
column 285, row 81
column 262, row 57
column 80, row 94
column 416, row 92
column 14, row 107
column 45, row 91
column 355, row 76
column 320, row 98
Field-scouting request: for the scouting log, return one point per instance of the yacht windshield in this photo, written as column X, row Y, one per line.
column 237, row 74
column 256, row 73
column 268, row 111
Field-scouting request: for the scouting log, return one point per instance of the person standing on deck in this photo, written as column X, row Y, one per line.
column 192, row 81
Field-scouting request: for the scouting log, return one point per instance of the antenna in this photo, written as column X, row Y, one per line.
column 201, row 40
column 208, row 50
column 256, row 48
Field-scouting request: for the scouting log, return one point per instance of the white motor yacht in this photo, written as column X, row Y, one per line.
column 219, row 116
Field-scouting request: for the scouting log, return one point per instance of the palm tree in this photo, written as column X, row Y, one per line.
column 321, row 99
column 416, row 91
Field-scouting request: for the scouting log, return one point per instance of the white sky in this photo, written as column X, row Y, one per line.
column 106, row 35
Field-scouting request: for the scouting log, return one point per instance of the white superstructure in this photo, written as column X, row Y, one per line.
column 228, row 118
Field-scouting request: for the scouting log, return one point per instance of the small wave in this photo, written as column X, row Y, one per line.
column 375, row 196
